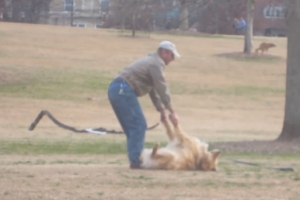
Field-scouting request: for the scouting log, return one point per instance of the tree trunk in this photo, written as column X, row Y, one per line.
column 133, row 25
column 134, row 15
column 184, row 15
column 217, row 23
column 71, row 18
column 291, row 124
column 72, row 15
column 249, row 27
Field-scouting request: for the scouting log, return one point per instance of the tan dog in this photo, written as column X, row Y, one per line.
column 183, row 152
column 264, row 47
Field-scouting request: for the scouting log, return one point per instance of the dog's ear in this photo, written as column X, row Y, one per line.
column 215, row 153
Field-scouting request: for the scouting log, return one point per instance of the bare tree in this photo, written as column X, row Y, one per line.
column 184, row 15
column 131, row 14
column 189, row 7
column 2, row 9
column 249, row 27
column 291, row 124
column 137, row 14
column 29, row 11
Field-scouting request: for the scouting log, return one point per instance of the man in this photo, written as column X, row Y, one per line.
column 145, row 76
column 239, row 25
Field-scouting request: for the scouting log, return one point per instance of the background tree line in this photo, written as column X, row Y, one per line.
column 28, row 11
column 143, row 14
column 179, row 14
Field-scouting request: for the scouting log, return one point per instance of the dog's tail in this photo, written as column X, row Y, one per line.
column 70, row 128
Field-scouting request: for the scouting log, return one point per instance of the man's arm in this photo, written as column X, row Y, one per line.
column 160, row 86
column 161, row 92
column 159, row 107
column 156, row 100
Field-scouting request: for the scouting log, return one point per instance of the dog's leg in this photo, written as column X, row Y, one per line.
column 169, row 129
column 154, row 151
column 155, row 155
column 163, row 160
column 179, row 134
column 175, row 132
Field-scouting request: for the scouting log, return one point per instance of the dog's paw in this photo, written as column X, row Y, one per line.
column 154, row 150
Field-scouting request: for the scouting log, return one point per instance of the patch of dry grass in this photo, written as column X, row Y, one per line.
column 94, row 177
column 218, row 99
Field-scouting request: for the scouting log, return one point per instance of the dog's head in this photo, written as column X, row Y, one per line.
column 272, row 45
column 209, row 161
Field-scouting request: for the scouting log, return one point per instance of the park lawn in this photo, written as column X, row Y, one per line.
column 67, row 71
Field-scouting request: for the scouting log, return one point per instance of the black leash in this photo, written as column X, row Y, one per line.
column 286, row 169
column 70, row 128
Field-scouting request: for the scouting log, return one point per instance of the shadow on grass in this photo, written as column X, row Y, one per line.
column 259, row 146
column 253, row 57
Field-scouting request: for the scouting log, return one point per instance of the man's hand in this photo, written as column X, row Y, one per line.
column 163, row 116
column 174, row 118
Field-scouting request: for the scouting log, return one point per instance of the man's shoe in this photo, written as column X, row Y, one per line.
column 135, row 166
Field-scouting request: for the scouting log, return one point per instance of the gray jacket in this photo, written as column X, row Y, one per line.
column 146, row 76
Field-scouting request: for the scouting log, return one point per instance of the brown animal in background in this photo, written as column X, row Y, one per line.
column 183, row 152
column 264, row 47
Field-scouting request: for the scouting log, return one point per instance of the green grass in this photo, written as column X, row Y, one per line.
column 54, row 162
column 238, row 90
column 242, row 90
column 5, row 193
column 46, row 147
column 58, row 84
column 263, row 156
column 71, row 84
column 101, row 145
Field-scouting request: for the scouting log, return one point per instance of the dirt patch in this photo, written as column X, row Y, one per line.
column 6, row 77
column 259, row 146
column 11, row 75
column 252, row 56
column 102, row 178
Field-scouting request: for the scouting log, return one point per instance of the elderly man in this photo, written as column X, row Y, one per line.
column 144, row 76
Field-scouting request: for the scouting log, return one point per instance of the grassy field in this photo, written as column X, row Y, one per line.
column 67, row 71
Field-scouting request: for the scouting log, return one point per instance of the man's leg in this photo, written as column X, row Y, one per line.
column 130, row 115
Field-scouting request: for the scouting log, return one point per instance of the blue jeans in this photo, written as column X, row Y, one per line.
column 130, row 115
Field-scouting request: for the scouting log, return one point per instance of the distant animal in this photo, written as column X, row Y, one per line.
column 183, row 152
column 264, row 47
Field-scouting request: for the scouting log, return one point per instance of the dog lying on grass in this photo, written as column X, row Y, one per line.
column 183, row 152
column 264, row 47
